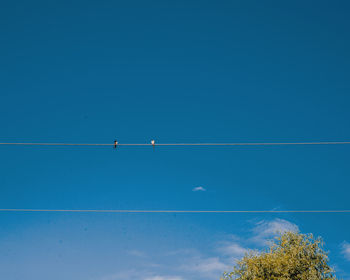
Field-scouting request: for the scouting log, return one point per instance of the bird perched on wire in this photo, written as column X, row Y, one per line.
column 153, row 143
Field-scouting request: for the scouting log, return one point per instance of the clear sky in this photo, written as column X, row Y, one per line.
column 173, row 71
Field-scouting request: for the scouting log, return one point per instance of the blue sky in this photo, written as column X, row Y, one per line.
column 173, row 71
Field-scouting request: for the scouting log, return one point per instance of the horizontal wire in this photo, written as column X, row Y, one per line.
column 180, row 144
column 56, row 144
column 172, row 211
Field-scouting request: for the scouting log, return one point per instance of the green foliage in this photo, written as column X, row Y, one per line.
column 292, row 256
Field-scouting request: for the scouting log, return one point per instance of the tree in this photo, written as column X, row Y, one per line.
column 292, row 256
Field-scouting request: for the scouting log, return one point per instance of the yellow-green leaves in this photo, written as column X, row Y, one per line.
column 293, row 256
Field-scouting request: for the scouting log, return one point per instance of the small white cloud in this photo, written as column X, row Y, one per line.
column 346, row 250
column 199, row 189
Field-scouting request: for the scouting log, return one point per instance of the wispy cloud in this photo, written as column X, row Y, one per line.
column 232, row 249
column 266, row 230
column 208, row 267
column 199, row 189
column 190, row 263
column 346, row 250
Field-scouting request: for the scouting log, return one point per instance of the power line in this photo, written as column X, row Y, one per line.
column 115, row 144
column 172, row 211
